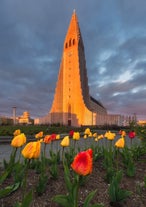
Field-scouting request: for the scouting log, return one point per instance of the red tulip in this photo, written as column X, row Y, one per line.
column 131, row 134
column 82, row 163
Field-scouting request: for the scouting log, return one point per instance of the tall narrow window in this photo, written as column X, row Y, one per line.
column 73, row 41
column 69, row 111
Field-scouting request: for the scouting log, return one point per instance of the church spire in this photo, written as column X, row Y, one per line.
column 73, row 30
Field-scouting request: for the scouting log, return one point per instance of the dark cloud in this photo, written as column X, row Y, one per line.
column 31, row 42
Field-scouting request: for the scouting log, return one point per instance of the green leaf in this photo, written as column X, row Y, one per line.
column 89, row 198
column 67, row 178
column 62, row 200
column 4, row 176
column 8, row 190
column 123, row 194
column 27, row 199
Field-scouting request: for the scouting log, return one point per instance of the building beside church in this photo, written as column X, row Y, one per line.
column 25, row 118
column 72, row 104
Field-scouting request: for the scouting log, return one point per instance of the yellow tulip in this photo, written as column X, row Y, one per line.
column 85, row 136
column 96, row 139
column 65, row 141
column 95, row 135
column 87, row 131
column 90, row 134
column 18, row 140
column 58, row 136
column 32, row 150
column 100, row 136
column 120, row 143
column 109, row 135
column 17, row 132
column 76, row 136
column 39, row 135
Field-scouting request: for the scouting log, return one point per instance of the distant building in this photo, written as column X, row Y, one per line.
column 25, row 118
column 6, row 120
column 142, row 122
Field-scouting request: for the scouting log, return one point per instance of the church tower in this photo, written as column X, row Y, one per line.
column 72, row 104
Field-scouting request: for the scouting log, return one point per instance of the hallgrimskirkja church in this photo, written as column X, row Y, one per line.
column 72, row 104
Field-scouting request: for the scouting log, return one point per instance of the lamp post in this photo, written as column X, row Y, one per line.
column 14, row 115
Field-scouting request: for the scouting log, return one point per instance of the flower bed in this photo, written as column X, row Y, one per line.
column 54, row 172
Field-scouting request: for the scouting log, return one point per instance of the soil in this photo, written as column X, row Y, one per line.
column 96, row 180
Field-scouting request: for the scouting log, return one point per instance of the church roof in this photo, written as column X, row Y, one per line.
column 97, row 102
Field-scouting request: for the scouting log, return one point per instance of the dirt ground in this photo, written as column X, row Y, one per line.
column 94, row 181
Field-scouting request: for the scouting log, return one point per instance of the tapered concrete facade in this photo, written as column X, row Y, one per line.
column 72, row 104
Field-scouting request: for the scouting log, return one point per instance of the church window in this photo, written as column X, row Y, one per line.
column 73, row 41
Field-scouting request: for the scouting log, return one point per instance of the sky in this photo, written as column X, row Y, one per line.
column 32, row 34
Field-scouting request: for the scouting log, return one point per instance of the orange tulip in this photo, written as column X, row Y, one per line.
column 39, row 135
column 82, row 163
column 18, row 140
column 47, row 139
column 32, row 150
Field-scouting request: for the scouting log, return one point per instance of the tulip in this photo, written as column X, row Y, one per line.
column 100, row 136
column 71, row 133
column 95, row 135
column 96, row 139
column 65, row 141
column 109, row 135
column 120, row 143
column 82, row 163
column 18, row 140
column 122, row 133
column 87, row 131
column 47, row 139
column 90, row 134
column 32, row 150
column 17, row 132
column 76, row 136
column 39, row 135
column 58, row 136
column 131, row 134
column 53, row 137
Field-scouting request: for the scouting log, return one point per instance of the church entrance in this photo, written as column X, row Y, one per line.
column 69, row 122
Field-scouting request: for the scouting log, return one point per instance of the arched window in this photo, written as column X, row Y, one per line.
column 73, row 41
column 66, row 45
